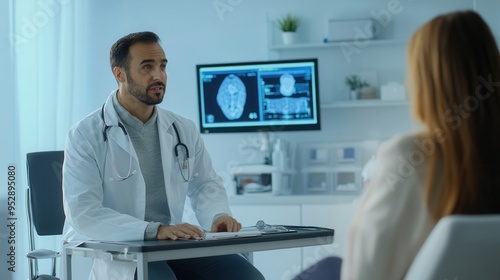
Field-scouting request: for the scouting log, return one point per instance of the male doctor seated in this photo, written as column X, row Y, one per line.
column 129, row 166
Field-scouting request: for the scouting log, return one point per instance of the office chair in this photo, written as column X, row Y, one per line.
column 460, row 247
column 44, row 206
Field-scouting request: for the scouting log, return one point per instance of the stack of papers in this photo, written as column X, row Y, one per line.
column 244, row 232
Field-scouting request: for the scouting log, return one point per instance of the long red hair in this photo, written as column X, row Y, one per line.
column 454, row 79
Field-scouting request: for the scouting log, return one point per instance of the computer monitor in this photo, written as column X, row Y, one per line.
column 267, row 96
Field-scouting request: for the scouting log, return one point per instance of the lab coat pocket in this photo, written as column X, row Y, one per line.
column 120, row 166
column 185, row 170
column 121, row 175
column 124, row 191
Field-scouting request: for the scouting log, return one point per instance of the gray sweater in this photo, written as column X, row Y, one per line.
column 146, row 142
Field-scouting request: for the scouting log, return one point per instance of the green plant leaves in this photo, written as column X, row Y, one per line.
column 288, row 23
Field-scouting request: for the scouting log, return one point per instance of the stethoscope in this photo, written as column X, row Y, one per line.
column 179, row 149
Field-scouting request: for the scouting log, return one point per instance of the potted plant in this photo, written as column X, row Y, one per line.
column 288, row 24
column 355, row 84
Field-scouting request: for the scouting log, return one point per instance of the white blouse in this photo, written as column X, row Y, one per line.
column 391, row 221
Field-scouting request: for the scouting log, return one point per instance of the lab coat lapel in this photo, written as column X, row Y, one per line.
column 168, row 140
column 116, row 137
column 166, row 144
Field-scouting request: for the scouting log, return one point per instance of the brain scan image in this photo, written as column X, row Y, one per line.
column 287, row 85
column 288, row 107
column 231, row 97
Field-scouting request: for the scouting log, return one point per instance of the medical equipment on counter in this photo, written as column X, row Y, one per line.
column 179, row 148
column 280, row 155
column 332, row 168
column 263, row 179
column 265, row 228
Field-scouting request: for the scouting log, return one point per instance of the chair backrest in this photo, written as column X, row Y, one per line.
column 44, row 170
column 460, row 247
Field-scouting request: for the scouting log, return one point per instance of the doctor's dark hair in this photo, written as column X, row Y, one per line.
column 118, row 54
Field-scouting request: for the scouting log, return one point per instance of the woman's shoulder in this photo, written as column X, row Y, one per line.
column 406, row 154
column 415, row 143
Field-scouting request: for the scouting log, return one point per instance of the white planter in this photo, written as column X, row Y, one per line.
column 353, row 95
column 289, row 37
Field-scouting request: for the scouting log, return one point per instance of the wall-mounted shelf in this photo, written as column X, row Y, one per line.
column 364, row 103
column 372, row 43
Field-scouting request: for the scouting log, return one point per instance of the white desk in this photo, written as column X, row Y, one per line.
column 143, row 252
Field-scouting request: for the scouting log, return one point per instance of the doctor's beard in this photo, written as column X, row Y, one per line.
column 141, row 93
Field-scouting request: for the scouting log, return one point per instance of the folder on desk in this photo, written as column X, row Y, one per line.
column 244, row 232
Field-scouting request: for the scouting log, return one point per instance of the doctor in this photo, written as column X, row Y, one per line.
column 130, row 165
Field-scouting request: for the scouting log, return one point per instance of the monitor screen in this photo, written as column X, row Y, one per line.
column 264, row 96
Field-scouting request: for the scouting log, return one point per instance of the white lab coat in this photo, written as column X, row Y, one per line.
column 98, row 208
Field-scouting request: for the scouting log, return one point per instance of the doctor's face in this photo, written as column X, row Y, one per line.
column 146, row 73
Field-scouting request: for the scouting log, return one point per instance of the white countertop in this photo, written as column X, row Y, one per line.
column 290, row 199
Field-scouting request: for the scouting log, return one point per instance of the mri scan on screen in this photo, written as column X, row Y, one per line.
column 258, row 96
column 231, row 97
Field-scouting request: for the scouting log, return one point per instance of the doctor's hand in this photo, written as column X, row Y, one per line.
column 225, row 223
column 174, row 232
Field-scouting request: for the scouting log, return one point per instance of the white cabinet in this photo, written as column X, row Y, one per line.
column 277, row 264
column 308, row 210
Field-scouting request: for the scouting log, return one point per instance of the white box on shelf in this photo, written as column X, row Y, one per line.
column 318, row 182
column 346, row 154
column 320, row 156
column 350, row 29
column 393, row 91
column 347, row 181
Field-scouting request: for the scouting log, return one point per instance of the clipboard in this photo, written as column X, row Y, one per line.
column 244, row 232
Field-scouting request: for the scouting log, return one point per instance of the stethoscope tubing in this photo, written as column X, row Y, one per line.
column 177, row 147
